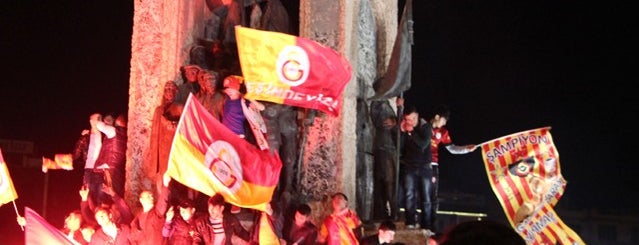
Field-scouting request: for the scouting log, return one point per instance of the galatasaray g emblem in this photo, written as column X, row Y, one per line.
column 223, row 161
column 292, row 66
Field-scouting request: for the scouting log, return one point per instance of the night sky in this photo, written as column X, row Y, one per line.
column 502, row 67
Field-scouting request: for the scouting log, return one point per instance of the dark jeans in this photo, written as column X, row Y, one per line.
column 384, row 186
column 434, row 195
column 417, row 186
column 93, row 181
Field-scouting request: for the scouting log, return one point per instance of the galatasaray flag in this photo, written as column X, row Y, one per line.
column 39, row 232
column 7, row 191
column 62, row 161
column 208, row 157
column 545, row 227
column 525, row 175
column 291, row 70
column 265, row 231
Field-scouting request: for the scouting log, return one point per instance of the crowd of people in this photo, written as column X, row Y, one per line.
column 174, row 218
column 172, row 214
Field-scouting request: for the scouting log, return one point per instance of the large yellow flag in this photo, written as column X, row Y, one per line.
column 7, row 191
column 208, row 157
column 525, row 175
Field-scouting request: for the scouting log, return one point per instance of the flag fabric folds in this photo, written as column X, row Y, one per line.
column 208, row 157
column 264, row 231
column 7, row 190
column 525, row 175
column 398, row 73
column 291, row 70
column 62, row 161
column 39, row 232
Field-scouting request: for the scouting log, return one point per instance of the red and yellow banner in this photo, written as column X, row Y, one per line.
column 7, row 190
column 265, row 231
column 208, row 157
column 39, row 231
column 525, row 175
column 62, row 161
column 291, row 70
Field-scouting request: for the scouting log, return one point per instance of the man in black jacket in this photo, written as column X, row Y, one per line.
column 218, row 227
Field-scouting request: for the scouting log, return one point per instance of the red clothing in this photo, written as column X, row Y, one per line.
column 440, row 137
column 340, row 229
column 101, row 238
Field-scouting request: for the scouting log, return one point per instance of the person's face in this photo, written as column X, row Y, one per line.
column 191, row 75
column 339, row 203
column 146, row 199
column 93, row 119
column 102, row 217
column 169, row 92
column 206, row 82
column 215, row 211
column 232, row 93
column 186, row 213
column 439, row 121
column 412, row 119
column 72, row 222
column 108, row 120
column 387, row 235
column 300, row 219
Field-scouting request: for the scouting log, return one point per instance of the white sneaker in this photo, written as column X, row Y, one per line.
column 428, row 232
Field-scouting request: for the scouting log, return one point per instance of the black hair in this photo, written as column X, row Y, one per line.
column 387, row 225
column 303, row 209
column 410, row 109
column 186, row 203
column 442, row 111
column 339, row 194
column 216, row 200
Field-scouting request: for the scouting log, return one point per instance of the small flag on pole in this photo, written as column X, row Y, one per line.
column 62, row 161
column 7, row 190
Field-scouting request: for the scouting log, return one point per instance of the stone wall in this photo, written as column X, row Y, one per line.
column 162, row 33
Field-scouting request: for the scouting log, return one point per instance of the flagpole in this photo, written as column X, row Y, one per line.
column 400, row 111
column 45, row 195
column 17, row 213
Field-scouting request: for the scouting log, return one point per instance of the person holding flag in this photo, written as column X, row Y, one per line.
column 208, row 157
column 343, row 226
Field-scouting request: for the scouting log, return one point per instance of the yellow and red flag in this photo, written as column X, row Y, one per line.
column 525, row 175
column 208, row 157
column 7, row 190
column 39, row 231
column 287, row 69
column 62, row 161
column 265, row 231
column 545, row 227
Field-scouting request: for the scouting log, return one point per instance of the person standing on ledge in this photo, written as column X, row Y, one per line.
column 441, row 138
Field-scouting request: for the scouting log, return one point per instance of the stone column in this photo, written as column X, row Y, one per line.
column 163, row 32
column 330, row 156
